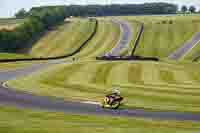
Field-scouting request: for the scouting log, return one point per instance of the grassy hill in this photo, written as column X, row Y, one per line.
column 164, row 34
column 155, row 86
column 68, row 37
column 105, row 39
column 151, row 86
column 64, row 39
column 60, row 40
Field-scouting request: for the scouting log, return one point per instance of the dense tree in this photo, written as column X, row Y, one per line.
column 21, row 13
column 192, row 9
column 109, row 10
column 35, row 23
column 184, row 9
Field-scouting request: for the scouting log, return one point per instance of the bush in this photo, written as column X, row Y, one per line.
column 36, row 23
column 164, row 22
column 170, row 21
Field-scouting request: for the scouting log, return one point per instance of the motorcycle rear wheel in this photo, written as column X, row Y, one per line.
column 104, row 102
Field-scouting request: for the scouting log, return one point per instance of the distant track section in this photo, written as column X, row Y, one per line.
column 124, row 42
column 182, row 51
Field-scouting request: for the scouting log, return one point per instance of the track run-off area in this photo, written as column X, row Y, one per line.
column 109, row 74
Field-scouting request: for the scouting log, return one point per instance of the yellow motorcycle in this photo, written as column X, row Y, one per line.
column 112, row 101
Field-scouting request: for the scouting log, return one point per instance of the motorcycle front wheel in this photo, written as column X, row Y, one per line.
column 115, row 104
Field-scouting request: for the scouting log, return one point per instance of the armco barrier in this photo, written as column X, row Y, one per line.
column 138, row 39
column 58, row 57
column 127, row 58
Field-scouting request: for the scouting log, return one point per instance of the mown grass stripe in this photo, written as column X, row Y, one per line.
column 167, row 37
column 102, row 73
column 163, row 89
column 183, row 77
column 68, row 38
column 150, row 74
column 167, row 76
column 97, row 41
column 52, row 39
column 118, row 74
column 63, row 73
column 134, row 73
column 85, row 74
column 105, row 39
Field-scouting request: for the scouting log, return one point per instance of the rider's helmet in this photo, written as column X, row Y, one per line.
column 116, row 91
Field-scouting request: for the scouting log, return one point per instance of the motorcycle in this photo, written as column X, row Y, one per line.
column 112, row 101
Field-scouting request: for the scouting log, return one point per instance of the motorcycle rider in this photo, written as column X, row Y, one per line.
column 115, row 93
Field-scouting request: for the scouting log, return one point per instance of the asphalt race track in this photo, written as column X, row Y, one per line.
column 182, row 51
column 125, row 39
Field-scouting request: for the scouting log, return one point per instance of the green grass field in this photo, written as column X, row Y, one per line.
column 23, row 121
column 105, row 39
column 155, row 86
column 13, row 56
column 15, row 65
column 195, row 52
column 148, row 85
column 63, row 40
column 161, row 39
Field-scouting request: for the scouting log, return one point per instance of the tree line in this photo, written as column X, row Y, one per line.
column 35, row 23
column 117, row 10
column 191, row 9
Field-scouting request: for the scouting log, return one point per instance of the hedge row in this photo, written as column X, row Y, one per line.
column 118, row 9
column 36, row 23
